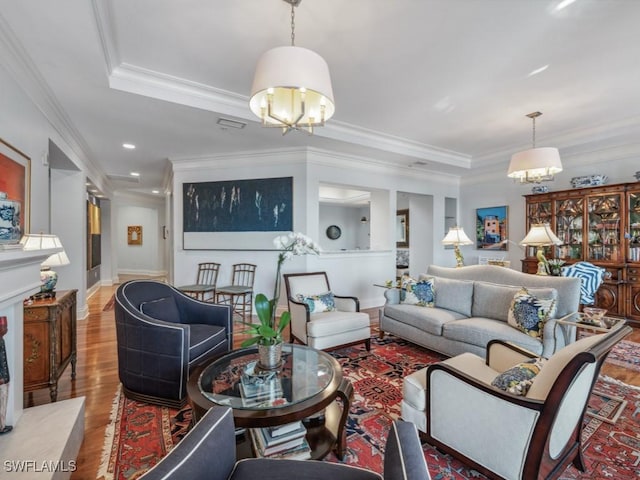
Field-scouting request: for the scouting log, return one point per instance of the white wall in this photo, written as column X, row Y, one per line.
column 351, row 273
column 354, row 234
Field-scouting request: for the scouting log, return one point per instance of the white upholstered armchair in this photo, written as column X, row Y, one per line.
column 321, row 319
column 501, row 434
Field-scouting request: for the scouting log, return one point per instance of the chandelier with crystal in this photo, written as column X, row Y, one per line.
column 292, row 87
column 535, row 165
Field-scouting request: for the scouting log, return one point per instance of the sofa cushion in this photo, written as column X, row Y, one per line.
column 528, row 313
column 429, row 320
column 162, row 309
column 419, row 292
column 203, row 339
column 491, row 300
column 328, row 323
column 478, row 331
column 518, row 379
column 321, row 302
column 452, row 294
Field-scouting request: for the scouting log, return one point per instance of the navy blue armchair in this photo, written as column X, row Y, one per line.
column 162, row 334
column 208, row 452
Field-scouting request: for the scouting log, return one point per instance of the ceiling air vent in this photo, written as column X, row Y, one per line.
column 226, row 122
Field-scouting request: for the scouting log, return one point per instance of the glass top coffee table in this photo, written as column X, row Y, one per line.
column 308, row 381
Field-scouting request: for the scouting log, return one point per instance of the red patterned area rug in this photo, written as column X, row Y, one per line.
column 142, row 434
column 626, row 354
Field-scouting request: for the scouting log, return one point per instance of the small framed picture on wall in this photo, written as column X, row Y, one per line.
column 134, row 235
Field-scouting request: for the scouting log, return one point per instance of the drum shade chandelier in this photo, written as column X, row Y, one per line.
column 535, row 165
column 292, row 87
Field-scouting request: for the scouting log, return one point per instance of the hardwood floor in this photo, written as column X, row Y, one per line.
column 97, row 378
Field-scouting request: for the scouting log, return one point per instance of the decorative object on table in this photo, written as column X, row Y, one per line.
column 555, row 266
column 134, row 235
column 593, row 316
column 540, row 235
column 4, row 378
column 539, row 189
column 48, row 277
column 15, row 173
column 292, row 87
column 588, row 181
column 457, row 237
column 402, row 228
column 536, row 164
column 268, row 333
column 334, row 232
column 492, row 228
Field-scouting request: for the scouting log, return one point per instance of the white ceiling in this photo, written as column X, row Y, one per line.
column 444, row 82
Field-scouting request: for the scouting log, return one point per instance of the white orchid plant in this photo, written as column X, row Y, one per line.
column 268, row 331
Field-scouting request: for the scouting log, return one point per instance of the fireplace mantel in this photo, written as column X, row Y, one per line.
column 19, row 278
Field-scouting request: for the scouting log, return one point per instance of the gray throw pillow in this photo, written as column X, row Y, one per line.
column 454, row 295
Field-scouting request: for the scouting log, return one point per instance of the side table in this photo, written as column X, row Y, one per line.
column 577, row 321
column 49, row 341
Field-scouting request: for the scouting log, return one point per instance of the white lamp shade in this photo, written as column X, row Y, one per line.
column 540, row 235
column 40, row 241
column 282, row 71
column 56, row 260
column 535, row 162
column 456, row 236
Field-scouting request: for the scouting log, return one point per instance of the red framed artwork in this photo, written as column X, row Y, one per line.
column 15, row 178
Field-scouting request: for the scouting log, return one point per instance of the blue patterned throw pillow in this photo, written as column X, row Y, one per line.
column 518, row 379
column 529, row 313
column 322, row 302
column 421, row 293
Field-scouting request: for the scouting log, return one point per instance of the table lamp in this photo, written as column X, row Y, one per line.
column 457, row 237
column 540, row 236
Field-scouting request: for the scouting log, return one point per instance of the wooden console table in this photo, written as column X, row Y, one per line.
column 49, row 341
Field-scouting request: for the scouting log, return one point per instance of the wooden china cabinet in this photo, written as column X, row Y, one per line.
column 600, row 225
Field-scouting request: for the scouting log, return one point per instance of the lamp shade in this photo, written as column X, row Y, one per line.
column 56, row 260
column 40, row 241
column 293, row 76
column 456, row 236
column 540, row 235
column 535, row 163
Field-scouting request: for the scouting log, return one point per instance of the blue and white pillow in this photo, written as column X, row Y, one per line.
column 421, row 293
column 322, row 302
column 529, row 313
column 519, row 378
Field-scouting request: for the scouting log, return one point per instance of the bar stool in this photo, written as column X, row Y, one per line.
column 205, row 283
column 240, row 293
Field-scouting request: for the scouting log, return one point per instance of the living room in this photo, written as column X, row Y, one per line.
column 454, row 144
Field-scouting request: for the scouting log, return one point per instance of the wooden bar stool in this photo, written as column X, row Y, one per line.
column 205, row 287
column 240, row 293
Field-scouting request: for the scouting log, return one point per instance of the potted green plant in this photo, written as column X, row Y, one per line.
column 267, row 333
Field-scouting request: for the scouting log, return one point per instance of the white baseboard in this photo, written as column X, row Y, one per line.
column 147, row 273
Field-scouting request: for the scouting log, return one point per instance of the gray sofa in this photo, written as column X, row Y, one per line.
column 471, row 308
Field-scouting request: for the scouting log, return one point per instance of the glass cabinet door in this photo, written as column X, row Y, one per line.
column 538, row 212
column 604, row 229
column 569, row 228
column 634, row 227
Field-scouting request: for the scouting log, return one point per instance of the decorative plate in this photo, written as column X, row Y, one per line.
column 334, row 232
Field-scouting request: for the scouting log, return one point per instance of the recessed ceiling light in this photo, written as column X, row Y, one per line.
column 93, row 190
column 538, row 70
column 128, row 146
column 134, row 174
column 155, row 191
column 564, row 4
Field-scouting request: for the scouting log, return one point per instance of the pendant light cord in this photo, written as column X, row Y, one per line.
column 534, row 132
column 293, row 26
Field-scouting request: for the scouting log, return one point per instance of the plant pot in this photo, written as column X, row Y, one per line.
column 270, row 356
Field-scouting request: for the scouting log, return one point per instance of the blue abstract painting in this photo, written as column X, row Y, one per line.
column 258, row 205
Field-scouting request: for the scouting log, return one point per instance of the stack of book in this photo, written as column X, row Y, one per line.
column 282, row 441
column 257, row 390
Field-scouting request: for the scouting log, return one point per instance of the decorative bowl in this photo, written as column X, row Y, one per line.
column 593, row 315
column 588, row 181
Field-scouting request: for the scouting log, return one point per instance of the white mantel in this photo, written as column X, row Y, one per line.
column 19, row 278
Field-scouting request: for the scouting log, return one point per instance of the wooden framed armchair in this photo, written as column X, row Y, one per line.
column 507, row 436
column 321, row 319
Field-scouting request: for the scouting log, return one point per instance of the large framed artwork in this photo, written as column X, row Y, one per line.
column 491, row 228
column 15, row 178
column 236, row 214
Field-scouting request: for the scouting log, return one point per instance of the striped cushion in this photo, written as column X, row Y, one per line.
column 591, row 277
